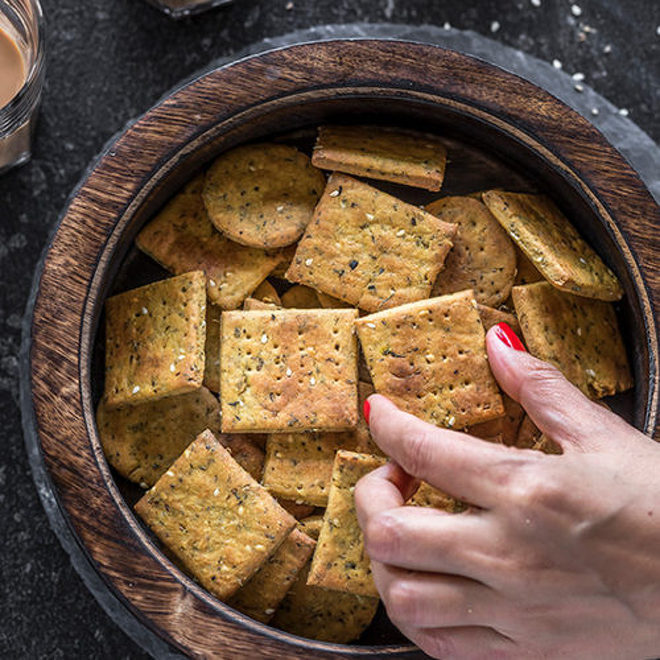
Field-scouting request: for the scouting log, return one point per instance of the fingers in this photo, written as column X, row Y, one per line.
column 426, row 539
column 429, row 600
column 556, row 406
column 457, row 463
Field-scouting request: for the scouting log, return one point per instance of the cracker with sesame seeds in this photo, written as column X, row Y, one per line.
column 218, row 521
column 262, row 594
column 429, row 358
column 370, row 249
column 142, row 441
column 251, row 304
column 288, row 370
column 311, row 525
column 181, row 238
column 300, row 297
column 318, row 613
column 340, row 561
column 266, row 293
column 580, row 336
column 553, row 245
column 431, row 497
column 506, row 427
column 491, row 316
column 526, row 272
column 212, row 348
column 262, row 195
column 245, row 451
column 155, row 338
column 483, row 257
column 390, row 154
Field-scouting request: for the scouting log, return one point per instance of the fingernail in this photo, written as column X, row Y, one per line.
column 366, row 409
column 509, row 337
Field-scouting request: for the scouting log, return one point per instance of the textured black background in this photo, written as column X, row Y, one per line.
column 108, row 61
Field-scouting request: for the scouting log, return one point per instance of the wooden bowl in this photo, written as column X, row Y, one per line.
column 504, row 124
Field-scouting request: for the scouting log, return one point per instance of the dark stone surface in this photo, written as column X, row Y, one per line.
column 109, row 61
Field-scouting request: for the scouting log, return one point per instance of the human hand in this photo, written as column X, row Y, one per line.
column 560, row 555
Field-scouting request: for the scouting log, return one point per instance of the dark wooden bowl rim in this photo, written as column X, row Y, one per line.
column 79, row 261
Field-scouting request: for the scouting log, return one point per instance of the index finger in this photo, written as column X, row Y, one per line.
column 465, row 467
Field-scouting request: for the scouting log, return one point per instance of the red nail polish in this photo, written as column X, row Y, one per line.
column 509, row 337
column 366, row 409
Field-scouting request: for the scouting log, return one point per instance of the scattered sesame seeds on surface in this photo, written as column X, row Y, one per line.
column 280, row 208
column 624, row 112
column 370, row 325
column 172, row 367
column 211, row 282
column 451, row 421
column 495, row 26
column 145, row 311
column 370, row 216
column 576, row 10
column 312, row 381
column 579, row 88
column 401, row 232
column 578, row 76
column 288, row 6
column 595, row 112
column 607, row 49
column 447, row 25
column 264, row 338
column 288, row 371
column 170, row 473
column 308, row 262
column 136, row 389
column 535, row 3
column 334, row 193
column 557, row 63
column 216, row 492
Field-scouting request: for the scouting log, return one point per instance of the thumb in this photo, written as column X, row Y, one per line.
column 557, row 407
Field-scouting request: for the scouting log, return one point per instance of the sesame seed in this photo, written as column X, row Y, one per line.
column 270, row 610
column 252, row 168
column 624, row 112
column 578, row 76
column 494, row 26
column 288, row 371
column 370, row 216
column 240, row 510
column 451, row 421
column 260, row 547
column 579, row 332
column 535, row 3
column 429, row 357
column 136, row 389
column 370, row 325
column 288, row 7
column 308, row 262
column 595, row 112
column 583, row 260
column 264, row 338
column 556, row 63
column 579, row 88
column 145, row 311
column 657, row 30
column 170, row 473
column 172, row 367
column 590, row 372
column 216, row 492
column 607, row 49
column 576, row 10
column 312, row 381
column 447, row 25
column 401, row 232
column 280, row 208
column 211, row 282
column 182, row 356
column 334, row 193
column 248, row 548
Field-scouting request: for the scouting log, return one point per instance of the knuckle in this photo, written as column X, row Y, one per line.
column 418, row 450
column 535, row 492
column 382, row 537
column 402, row 603
column 542, row 382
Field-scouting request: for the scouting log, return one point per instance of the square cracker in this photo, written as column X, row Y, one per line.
column 288, row 370
column 182, row 238
column 553, row 245
column 155, row 338
column 220, row 523
column 370, row 249
column 390, row 154
column 340, row 561
column 142, row 441
column 317, row 613
column 260, row 597
column 579, row 336
column 429, row 358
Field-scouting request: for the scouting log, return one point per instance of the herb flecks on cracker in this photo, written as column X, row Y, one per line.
column 288, row 370
column 553, row 245
column 219, row 522
column 370, row 249
column 262, row 195
column 429, row 358
column 181, row 238
column 155, row 338
column 579, row 336
column 390, row 154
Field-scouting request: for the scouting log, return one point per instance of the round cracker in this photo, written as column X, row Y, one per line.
column 262, row 195
column 483, row 257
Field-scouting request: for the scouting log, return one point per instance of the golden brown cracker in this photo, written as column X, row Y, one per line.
column 526, row 272
column 155, row 338
column 328, row 616
column 370, row 249
column 483, row 257
column 330, row 302
column 528, row 434
column 212, row 348
column 251, row 304
column 340, row 561
column 432, row 497
column 298, row 510
column 429, row 358
column 266, row 293
column 553, row 245
column 311, row 525
column 300, row 297
column 579, row 336
column 245, row 451
column 262, row 195
column 490, row 317
column 287, row 256
column 263, row 593
column 218, row 521
column 181, row 238
column 376, row 152
column 288, row 370
column 142, row 441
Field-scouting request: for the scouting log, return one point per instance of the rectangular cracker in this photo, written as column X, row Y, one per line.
column 317, row 613
column 142, row 441
column 311, row 525
column 155, row 338
column 429, row 358
column 370, row 249
column 340, row 561
column 391, row 154
column 491, row 316
column 288, row 370
column 212, row 348
column 263, row 593
column 578, row 335
column 220, row 523
column 553, row 245
column 182, row 238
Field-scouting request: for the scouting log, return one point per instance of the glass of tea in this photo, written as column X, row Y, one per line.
column 21, row 77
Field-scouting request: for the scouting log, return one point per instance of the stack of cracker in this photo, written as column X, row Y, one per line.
column 232, row 389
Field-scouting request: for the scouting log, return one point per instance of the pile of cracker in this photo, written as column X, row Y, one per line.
column 232, row 389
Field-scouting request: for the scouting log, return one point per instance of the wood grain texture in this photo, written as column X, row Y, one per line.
column 286, row 89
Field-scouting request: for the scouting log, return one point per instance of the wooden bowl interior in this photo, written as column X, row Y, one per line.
column 481, row 156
